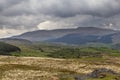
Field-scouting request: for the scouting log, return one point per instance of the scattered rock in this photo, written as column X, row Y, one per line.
column 99, row 73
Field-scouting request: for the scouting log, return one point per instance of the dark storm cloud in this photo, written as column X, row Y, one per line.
column 31, row 14
column 68, row 8
column 8, row 3
column 61, row 8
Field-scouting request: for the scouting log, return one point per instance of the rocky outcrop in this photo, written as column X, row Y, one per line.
column 99, row 73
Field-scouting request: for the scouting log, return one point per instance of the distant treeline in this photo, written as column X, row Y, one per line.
column 84, row 52
column 6, row 49
column 75, row 53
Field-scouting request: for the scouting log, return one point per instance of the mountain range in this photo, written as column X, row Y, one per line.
column 80, row 35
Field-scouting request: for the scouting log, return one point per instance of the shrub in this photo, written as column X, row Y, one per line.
column 5, row 48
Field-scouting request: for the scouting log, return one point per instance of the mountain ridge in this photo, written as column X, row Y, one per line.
column 43, row 35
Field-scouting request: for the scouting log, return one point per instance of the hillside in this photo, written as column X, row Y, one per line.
column 88, row 38
column 15, row 41
column 43, row 35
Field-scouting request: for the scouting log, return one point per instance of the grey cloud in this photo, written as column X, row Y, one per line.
column 62, row 8
column 28, row 22
column 4, row 4
column 68, row 8
column 27, row 14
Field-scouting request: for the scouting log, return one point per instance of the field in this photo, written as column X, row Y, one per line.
column 40, row 68
column 58, row 62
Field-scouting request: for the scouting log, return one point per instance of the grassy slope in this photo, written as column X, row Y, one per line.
column 37, row 49
column 42, row 50
column 85, row 52
column 26, row 51
column 31, row 50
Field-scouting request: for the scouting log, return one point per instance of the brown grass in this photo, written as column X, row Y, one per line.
column 37, row 68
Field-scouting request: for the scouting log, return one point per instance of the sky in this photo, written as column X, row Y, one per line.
column 19, row 16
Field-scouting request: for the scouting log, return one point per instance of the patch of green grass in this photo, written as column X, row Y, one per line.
column 58, row 51
column 67, row 78
column 75, row 53
column 30, row 52
column 108, row 77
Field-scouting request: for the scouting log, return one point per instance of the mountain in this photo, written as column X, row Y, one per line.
column 15, row 41
column 88, row 38
column 44, row 35
column 82, row 39
column 115, row 37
